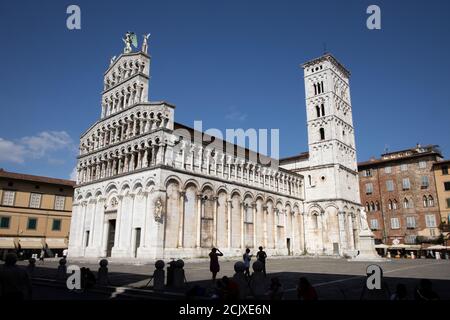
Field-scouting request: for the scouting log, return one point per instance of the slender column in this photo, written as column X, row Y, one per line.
column 275, row 227
column 126, row 164
column 342, row 238
column 181, row 222
column 91, row 227
column 350, row 231
column 254, row 224
column 208, row 154
column 242, row 224
column 131, row 164
column 145, row 161
column 83, row 219
column 223, row 166
column 118, row 221
column 199, row 219
column 144, row 227
column 215, row 221
column 200, row 160
column 229, row 204
column 265, row 213
column 322, row 215
column 135, row 122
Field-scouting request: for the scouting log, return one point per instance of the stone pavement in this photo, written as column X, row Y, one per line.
column 332, row 278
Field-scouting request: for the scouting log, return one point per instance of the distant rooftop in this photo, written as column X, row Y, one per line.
column 417, row 151
column 32, row 178
column 299, row 157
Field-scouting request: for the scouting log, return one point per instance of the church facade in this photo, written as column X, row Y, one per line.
column 146, row 189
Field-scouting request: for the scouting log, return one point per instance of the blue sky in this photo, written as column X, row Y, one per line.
column 232, row 64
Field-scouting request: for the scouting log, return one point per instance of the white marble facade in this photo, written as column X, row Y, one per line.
column 144, row 193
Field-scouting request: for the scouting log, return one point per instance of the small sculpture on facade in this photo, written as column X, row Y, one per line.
column 130, row 39
column 145, row 43
column 159, row 208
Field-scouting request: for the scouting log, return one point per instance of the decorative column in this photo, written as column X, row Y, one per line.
column 144, row 227
column 350, row 231
column 200, row 159
column 126, row 164
column 254, row 224
column 342, row 237
column 242, row 224
column 181, row 221
column 118, row 221
column 229, row 207
column 91, row 226
column 208, row 154
column 144, row 160
column 275, row 227
column 199, row 219
column 131, row 164
column 265, row 213
column 322, row 215
column 215, row 221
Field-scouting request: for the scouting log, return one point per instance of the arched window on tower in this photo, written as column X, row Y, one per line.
column 315, row 89
column 377, row 206
column 394, row 204
column 430, row 201
column 372, row 206
column 318, row 111
column 390, row 204
column 425, row 201
column 367, row 207
column 323, row 110
column 322, row 133
column 321, row 87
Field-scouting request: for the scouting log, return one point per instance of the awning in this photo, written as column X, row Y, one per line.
column 30, row 243
column 437, row 247
column 7, row 243
column 56, row 243
column 405, row 246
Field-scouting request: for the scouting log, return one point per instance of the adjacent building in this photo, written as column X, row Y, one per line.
column 400, row 196
column 35, row 213
column 442, row 178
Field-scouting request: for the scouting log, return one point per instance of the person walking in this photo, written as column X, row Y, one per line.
column 214, row 266
column 42, row 256
column 247, row 257
column 261, row 256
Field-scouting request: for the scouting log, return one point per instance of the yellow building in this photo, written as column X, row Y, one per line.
column 35, row 213
column 442, row 178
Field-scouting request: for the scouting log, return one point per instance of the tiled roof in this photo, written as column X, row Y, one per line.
column 29, row 177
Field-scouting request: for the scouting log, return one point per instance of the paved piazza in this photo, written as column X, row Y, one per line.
column 332, row 278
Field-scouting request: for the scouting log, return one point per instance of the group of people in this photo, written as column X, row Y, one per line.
column 215, row 253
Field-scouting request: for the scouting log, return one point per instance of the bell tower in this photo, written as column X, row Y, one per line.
column 331, row 138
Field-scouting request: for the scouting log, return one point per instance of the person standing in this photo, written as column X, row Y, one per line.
column 214, row 266
column 15, row 284
column 261, row 256
column 247, row 258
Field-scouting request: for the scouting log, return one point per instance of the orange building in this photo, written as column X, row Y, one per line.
column 35, row 213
